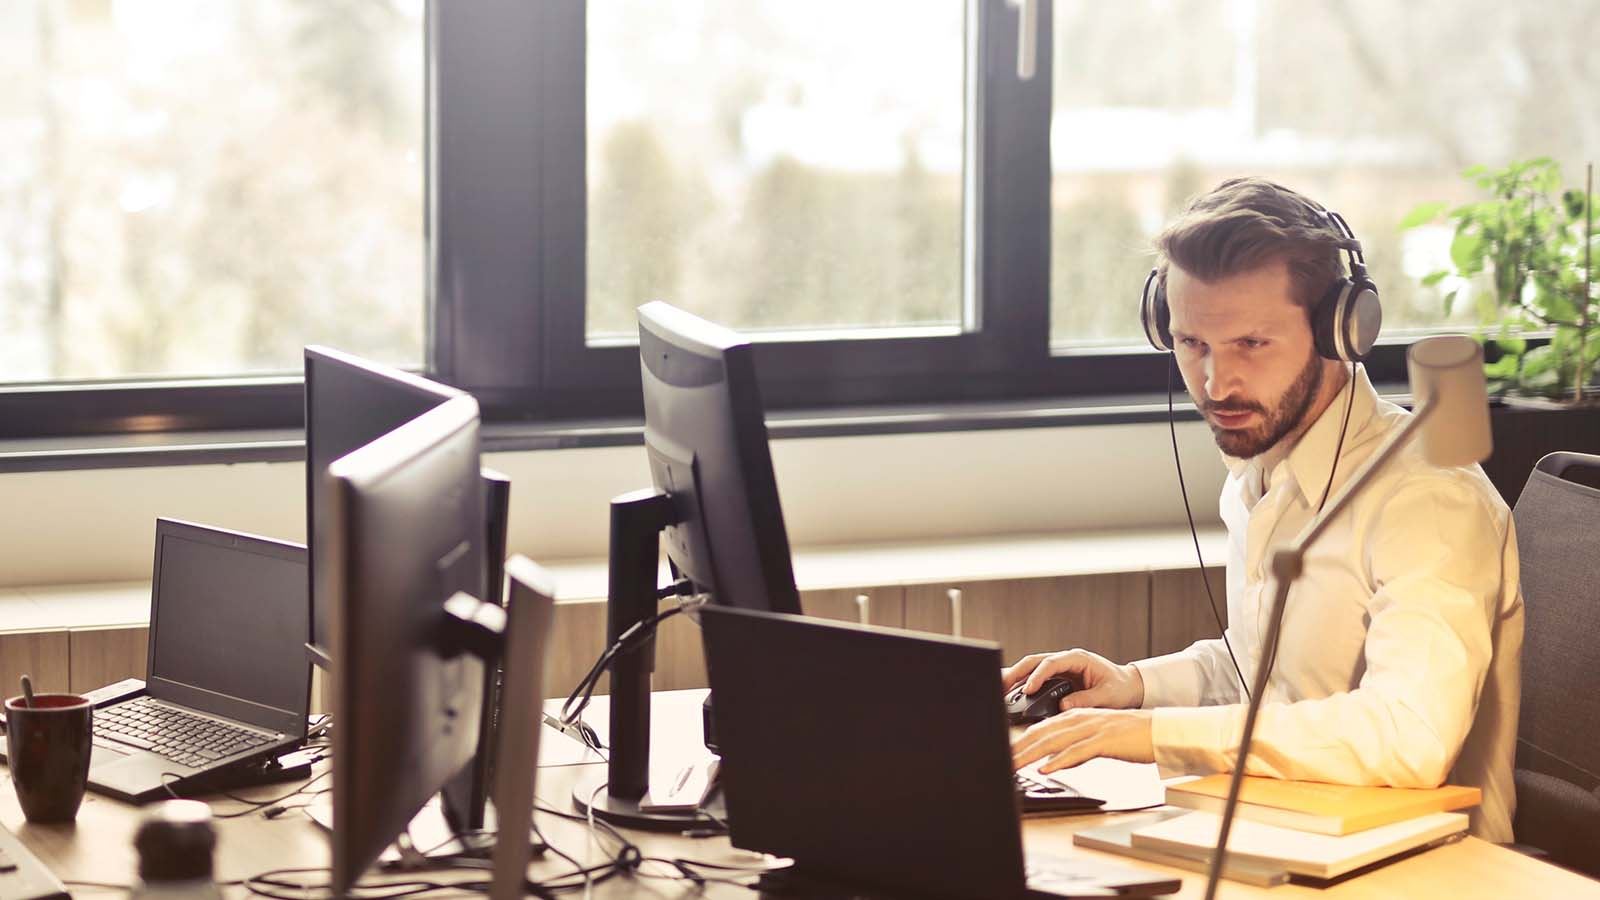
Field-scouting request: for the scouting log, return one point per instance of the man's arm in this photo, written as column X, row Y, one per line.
column 1436, row 553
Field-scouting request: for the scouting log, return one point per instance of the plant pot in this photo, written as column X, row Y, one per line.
column 1567, row 400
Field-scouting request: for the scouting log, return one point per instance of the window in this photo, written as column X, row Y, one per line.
column 195, row 188
column 763, row 166
column 1371, row 107
column 485, row 190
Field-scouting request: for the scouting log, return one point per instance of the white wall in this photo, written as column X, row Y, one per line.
column 98, row 525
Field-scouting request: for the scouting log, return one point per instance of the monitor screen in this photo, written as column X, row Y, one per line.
column 228, row 624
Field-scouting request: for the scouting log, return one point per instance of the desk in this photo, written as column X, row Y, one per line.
column 99, row 847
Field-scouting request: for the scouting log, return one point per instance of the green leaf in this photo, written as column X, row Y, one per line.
column 1474, row 171
column 1466, row 251
column 1504, row 367
column 1450, row 300
column 1422, row 214
column 1537, row 362
column 1512, row 346
column 1433, row 278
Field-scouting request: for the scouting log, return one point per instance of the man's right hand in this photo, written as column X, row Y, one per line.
column 1100, row 682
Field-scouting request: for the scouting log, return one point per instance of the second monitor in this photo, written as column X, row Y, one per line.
column 714, row 500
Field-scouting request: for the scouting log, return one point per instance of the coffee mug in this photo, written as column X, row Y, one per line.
column 48, row 743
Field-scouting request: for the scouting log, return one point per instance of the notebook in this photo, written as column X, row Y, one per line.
column 228, row 684
column 1334, row 809
column 1301, row 853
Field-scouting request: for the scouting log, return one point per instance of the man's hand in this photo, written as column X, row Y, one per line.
column 1100, row 682
column 1080, row 735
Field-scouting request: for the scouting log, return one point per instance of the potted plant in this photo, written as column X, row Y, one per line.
column 1533, row 243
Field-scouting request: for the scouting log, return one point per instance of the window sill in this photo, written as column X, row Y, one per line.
column 287, row 445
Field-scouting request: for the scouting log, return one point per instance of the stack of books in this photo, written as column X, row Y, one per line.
column 1285, row 830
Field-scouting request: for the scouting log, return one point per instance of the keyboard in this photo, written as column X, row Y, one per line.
column 22, row 876
column 174, row 734
column 1040, row 795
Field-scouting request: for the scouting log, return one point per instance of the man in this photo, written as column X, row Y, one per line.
column 1398, row 659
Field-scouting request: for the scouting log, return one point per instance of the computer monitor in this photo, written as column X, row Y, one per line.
column 715, row 499
column 706, row 435
column 401, row 537
column 350, row 402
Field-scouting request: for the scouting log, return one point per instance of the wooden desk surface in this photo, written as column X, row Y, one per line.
column 99, row 846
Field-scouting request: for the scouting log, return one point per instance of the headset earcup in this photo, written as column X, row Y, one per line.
column 1324, row 328
column 1154, row 317
column 1363, row 319
column 1346, row 322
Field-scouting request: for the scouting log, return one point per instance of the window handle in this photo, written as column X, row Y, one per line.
column 955, row 611
column 864, row 609
column 1027, row 37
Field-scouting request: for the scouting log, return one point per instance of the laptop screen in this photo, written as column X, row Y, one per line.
column 229, row 624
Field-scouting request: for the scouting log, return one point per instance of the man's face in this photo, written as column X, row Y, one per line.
column 1246, row 353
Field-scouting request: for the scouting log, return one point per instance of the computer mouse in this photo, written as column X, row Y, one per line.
column 1025, row 709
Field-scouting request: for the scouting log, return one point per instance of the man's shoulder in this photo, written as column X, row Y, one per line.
column 1411, row 484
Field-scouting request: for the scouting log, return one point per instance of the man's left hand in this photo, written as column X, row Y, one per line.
column 1079, row 735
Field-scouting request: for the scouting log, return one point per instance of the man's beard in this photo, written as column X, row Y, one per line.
column 1244, row 443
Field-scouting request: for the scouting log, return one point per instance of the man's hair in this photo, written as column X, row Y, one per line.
column 1246, row 223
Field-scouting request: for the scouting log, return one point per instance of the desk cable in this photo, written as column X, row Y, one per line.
column 639, row 634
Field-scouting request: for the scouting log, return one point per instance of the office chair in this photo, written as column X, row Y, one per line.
column 1558, row 736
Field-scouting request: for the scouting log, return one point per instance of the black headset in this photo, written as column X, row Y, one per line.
column 1344, row 323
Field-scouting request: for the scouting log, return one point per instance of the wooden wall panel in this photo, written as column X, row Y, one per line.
column 103, row 656
column 1179, row 611
column 885, row 605
column 1108, row 614
column 680, row 654
column 42, row 656
column 577, row 637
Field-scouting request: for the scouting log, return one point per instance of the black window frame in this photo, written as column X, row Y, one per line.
column 505, row 241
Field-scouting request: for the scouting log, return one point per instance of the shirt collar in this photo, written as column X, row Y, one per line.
column 1309, row 459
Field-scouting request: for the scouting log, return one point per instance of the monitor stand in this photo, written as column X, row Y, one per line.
column 637, row 520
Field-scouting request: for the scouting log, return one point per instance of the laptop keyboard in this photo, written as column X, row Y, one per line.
column 1029, row 785
column 172, row 733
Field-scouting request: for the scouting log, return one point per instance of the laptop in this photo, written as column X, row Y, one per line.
column 881, row 760
column 228, row 682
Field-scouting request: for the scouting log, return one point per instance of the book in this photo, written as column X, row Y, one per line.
column 1117, row 838
column 1334, row 809
column 1320, row 856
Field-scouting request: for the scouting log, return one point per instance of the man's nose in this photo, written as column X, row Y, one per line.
column 1221, row 378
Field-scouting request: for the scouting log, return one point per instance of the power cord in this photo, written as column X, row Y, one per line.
column 637, row 635
column 253, row 806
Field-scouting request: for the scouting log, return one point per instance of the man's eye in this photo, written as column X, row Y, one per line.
column 1190, row 343
column 1253, row 343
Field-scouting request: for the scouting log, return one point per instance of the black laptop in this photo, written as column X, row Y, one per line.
column 228, row 683
column 879, row 759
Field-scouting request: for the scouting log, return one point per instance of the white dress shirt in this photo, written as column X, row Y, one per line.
column 1398, row 662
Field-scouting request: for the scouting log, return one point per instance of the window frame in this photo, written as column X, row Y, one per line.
column 505, row 237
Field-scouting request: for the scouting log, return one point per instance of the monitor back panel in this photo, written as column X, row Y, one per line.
column 866, row 754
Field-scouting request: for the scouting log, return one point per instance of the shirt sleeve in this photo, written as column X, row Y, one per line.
column 1201, row 674
column 1435, row 551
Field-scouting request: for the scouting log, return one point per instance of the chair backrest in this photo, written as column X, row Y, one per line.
column 1558, row 736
